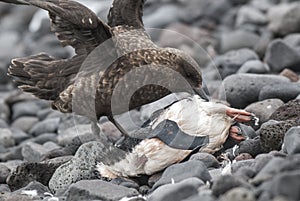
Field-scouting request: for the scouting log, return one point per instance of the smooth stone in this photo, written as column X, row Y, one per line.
column 288, row 111
column 181, row 171
column 4, row 111
column 12, row 197
column 291, row 140
column 275, row 166
column 81, row 167
column 265, row 39
column 245, row 173
column 215, row 173
column 284, row 18
column 261, row 160
column 4, row 188
column 284, row 91
column 6, row 137
column 202, row 197
column 45, row 126
column 243, row 89
column 24, row 123
column 250, row 15
column 283, row 184
column 51, row 146
column 19, row 135
column 226, row 183
column 36, row 186
column 43, row 138
column 294, row 77
column 162, row 16
column 272, row 134
column 12, row 153
column 238, row 194
column 26, row 108
column 82, row 131
column 239, row 164
column 237, row 39
column 280, row 56
column 264, row 109
column 41, row 172
column 4, row 172
column 208, row 159
column 98, row 190
column 292, row 40
column 263, row 5
column 9, row 41
column 254, row 66
column 32, row 152
column 12, row 164
column 3, row 124
column 230, row 62
column 177, row 191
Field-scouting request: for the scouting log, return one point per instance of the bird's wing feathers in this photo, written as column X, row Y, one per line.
column 75, row 24
column 126, row 12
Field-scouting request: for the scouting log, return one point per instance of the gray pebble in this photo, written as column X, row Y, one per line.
column 98, row 190
column 45, row 126
column 4, row 172
column 24, row 123
column 254, row 66
column 280, row 56
column 19, row 135
column 238, row 194
column 177, row 191
column 6, row 137
column 33, row 152
column 82, row 131
column 291, row 140
column 283, row 91
column 243, row 89
column 181, row 171
column 209, row 160
column 26, row 108
column 250, row 15
column 264, row 109
column 292, row 40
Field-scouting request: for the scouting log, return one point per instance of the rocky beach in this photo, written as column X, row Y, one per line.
column 249, row 53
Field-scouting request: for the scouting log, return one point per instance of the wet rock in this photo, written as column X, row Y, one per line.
column 254, row 66
column 250, row 15
column 24, row 123
column 27, row 172
column 291, row 140
column 272, row 134
column 209, row 160
column 177, row 191
column 284, row 18
column 81, row 167
column 4, row 172
column 264, row 109
column 238, row 39
column 99, row 190
column 279, row 56
column 226, row 183
column 230, row 62
column 6, row 137
column 243, row 89
column 45, row 126
column 179, row 172
column 290, row 110
column 290, row 74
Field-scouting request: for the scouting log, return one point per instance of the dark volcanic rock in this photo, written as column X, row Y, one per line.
column 98, row 190
column 291, row 140
column 27, row 172
column 177, row 191
column 279, row 56
column 243, row 89
column 290, row 110
column 283, row 91
column 179, row 172
column 272, row 134
column 250, row 146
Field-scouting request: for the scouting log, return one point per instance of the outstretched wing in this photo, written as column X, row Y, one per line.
column 75, row 24
column 126, row 12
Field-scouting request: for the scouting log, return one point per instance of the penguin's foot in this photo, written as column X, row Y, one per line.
column 236, row 134
column 239, row 115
